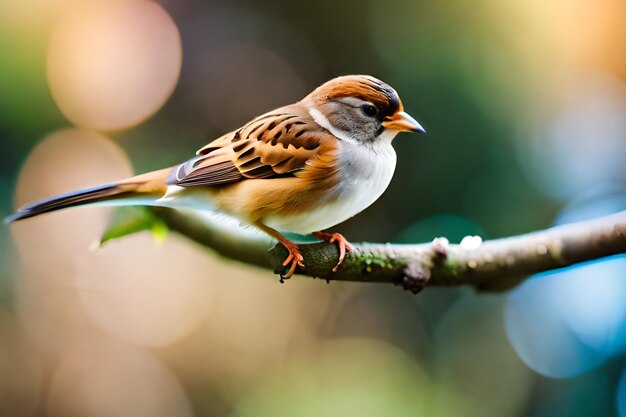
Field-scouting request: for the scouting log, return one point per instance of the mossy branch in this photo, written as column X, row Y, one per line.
column 493, row 265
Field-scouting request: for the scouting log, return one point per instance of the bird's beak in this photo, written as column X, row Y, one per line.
column 402, row 122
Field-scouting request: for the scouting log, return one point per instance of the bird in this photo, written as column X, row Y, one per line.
column 302, row 168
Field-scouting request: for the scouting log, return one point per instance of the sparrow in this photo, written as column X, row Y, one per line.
column 302, row 168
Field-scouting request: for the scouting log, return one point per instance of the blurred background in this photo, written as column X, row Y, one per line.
column 525, row 108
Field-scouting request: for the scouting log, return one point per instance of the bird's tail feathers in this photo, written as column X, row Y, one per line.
column 140, row 189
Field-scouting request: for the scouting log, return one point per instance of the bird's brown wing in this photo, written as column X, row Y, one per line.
column 278, row 143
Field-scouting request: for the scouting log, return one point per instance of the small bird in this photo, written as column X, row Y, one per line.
column 301, row 168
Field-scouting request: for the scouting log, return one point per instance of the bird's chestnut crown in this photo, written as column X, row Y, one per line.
column 363, row 107
column 368, row 89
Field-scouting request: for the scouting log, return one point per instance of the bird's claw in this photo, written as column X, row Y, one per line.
column 342, row 244
column 293, row 260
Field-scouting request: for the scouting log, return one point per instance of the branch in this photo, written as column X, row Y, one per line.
column 494, row 265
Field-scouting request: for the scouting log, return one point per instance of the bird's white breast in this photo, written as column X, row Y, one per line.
column 366, row 171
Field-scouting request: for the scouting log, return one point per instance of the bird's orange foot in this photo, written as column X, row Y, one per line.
column 342, row 244
column 294, row 260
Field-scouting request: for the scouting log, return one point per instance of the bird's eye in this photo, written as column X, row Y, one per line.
column 369, row 110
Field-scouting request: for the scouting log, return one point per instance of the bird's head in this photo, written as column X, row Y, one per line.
column 361, row 108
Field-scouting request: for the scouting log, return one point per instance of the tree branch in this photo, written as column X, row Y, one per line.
column 494, row 265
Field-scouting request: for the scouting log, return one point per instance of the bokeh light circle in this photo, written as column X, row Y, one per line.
column 66, row 160
column 146, row 293
column 112, row 64
column 540, row 334
column 108, row 378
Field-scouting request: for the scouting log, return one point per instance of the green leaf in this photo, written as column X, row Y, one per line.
column 133, row 219
column 159, row 230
